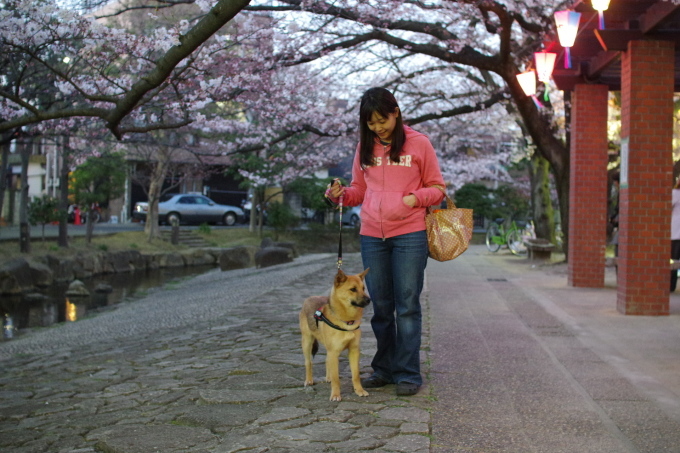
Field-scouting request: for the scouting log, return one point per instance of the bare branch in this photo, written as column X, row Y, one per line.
column 495, row 99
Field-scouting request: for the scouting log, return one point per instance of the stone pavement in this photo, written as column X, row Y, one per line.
column 514, row 361
column 209, row 365
column 521, row 362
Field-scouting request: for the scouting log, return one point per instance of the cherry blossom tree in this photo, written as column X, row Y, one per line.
column 442, row 58
column 64, row 72
column 281, row 82
column 104, row 75
column 67, row 73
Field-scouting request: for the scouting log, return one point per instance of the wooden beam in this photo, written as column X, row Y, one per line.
column 602, row 61
column 617, row 40
column 567, row 79
column 656, row 14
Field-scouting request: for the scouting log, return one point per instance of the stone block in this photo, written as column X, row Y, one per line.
column 236, row 258
column 62, row 268
column 272, row 256
column 24, row 273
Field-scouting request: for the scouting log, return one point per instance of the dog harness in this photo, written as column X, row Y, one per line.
column 320, row 317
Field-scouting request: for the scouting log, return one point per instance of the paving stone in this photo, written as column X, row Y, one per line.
column 280, row 414
column 165, row 438
column 408, row 443
column 411, row 414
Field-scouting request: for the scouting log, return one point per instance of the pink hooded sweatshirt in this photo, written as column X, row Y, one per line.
column 381, row 187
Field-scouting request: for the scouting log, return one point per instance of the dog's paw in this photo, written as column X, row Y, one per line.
column 336, row 397
column 308, row 383
column 361, row 392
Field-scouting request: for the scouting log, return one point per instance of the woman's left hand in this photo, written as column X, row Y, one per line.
column 410, row 200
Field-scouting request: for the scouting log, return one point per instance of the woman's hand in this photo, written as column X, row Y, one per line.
column 410, row 200
column 337, row 189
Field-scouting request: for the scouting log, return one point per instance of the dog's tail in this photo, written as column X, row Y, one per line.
column 315, row 348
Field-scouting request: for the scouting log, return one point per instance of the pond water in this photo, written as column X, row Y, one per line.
column 49, row 306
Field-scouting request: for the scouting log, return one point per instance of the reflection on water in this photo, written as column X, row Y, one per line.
column 49, row 306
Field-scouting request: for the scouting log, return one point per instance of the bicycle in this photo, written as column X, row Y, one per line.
column 514, row 237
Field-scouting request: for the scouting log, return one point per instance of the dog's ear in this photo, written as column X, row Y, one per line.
column 340, row 277
column 363, row 274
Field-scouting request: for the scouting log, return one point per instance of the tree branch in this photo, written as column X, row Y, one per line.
column 219, row 15
column 494, row 99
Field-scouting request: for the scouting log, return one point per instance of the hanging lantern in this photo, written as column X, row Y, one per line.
column 567, row 28
column 527, row 80
column 545, row 63
column 601, row 6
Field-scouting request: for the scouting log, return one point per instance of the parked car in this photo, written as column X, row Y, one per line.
column 191, row 208
column 352, row 216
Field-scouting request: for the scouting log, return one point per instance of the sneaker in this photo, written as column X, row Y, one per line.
column 373, row 382
column 407, row 389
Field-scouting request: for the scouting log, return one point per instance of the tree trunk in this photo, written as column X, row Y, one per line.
column 24, row 227
column 555, row 151
column 4, row 165
column 89, row 228
column 151, row 227
column 255, row 224
column 63, row 191
column 543, row 213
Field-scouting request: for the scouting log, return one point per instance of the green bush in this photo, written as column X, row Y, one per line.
column 505, row 202
column 44, row 210
column 281, row 217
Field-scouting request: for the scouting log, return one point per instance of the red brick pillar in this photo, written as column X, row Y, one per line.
column 646, row 178
column 588, row 185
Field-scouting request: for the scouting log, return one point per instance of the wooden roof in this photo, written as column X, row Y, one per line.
column 596, row 54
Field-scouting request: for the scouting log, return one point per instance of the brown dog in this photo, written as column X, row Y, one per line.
column 334, row 322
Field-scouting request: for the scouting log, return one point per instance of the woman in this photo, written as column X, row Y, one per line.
column 675, row 232
column 393, row 176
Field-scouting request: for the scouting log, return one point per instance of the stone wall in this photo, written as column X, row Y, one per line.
column 26, row 274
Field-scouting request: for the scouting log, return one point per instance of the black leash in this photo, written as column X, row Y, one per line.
column 327, row 196
column 320, row 317
column 340, row 237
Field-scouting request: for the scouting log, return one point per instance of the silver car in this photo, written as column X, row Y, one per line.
column 352, row 216
column 191, row 208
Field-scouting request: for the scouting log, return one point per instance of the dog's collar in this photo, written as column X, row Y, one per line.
column 320, row 317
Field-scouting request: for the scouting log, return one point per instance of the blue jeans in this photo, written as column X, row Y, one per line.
column 395, row 282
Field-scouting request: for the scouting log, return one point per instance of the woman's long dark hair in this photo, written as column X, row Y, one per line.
column 382, row 102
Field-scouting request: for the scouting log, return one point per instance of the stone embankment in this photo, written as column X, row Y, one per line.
column 26, row 274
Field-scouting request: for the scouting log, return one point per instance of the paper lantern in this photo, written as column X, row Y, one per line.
column 545, row 63
column 600, row 6
column 567, row 28
column 527, row 80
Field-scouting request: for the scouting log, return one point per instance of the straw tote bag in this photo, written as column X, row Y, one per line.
column 448, row 230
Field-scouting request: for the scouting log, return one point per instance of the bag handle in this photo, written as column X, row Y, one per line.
column 449, row 202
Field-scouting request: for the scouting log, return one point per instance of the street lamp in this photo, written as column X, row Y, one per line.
column 567, row 28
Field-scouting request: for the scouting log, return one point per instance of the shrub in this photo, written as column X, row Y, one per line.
column 281, row 217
